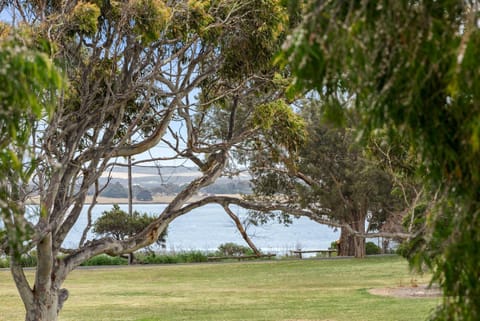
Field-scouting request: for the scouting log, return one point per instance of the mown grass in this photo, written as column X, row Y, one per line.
column 333, row 290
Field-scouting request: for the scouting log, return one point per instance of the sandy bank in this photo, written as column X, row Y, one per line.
column 157, row 199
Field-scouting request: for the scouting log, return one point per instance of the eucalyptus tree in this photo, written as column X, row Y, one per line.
column 139, row 73
column 333, row 182
column 412, row 68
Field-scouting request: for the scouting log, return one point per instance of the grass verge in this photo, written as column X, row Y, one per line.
column 333, row 290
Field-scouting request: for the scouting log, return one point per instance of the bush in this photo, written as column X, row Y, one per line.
column 232, row 249
column 4, row 263
column 334, row 245
column 30, row 260
column 371, row 248
column 157, row 259
column 193, row 257
column 184, row 257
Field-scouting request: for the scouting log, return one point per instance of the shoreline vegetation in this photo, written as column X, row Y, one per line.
column 157, row 199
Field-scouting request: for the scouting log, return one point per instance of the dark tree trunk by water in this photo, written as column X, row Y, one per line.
column 351, row 244
column 346, row 246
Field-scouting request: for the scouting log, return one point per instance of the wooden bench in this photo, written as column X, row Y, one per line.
column 239, row 257
column 300, row 252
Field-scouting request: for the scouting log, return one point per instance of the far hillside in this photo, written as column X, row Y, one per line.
column 149, row 180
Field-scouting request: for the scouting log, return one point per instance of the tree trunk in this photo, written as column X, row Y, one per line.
column 130, row 201
column 359, row 241
column 350, row 244
column 385, row 243
column 46, row 305
column 130, row 187
column 131, row 258
column 360, row 251
column 346, row 245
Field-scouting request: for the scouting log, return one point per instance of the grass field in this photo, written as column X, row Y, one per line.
column 333, row 290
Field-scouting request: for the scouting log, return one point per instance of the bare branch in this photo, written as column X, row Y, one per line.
column 241, row 229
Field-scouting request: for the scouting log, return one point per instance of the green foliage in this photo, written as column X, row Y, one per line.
column 372, row 248
column 150, row 18
column 84, row 18
column 120, row 225
column 232, row 249
column 257, row 36
column 182, row 257
column 4, row 263
column 338, row 175
column 334, row 244
column 30, row 260
column 411, row 67
column 200, row 18
column 28, row 83
column 281, row 128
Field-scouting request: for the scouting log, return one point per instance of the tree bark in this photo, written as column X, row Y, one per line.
column 46, row 305
column 346, row 246
column 359, row 240
column 351, row 243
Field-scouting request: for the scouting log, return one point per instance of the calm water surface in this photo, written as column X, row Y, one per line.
column 207, row 227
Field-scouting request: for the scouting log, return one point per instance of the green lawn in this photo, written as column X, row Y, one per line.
column 330, row 290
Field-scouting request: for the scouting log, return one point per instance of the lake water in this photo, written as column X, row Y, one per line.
column 207, row 227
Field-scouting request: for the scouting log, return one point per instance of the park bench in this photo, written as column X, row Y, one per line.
column 239, row 257
column 299, row 253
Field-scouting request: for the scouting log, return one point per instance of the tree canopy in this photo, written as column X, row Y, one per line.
column 333, row 182
column 120, row 225
column 411, row 68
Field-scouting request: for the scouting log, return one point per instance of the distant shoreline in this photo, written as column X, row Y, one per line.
column 157, row 199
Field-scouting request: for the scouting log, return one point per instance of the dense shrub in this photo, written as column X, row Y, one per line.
column 183, row 257
column 157, row 259
column 232, row 249
column 141, row 258
column 4, row 263
column 334, row 245
column 192, row 257
column 371, row 248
